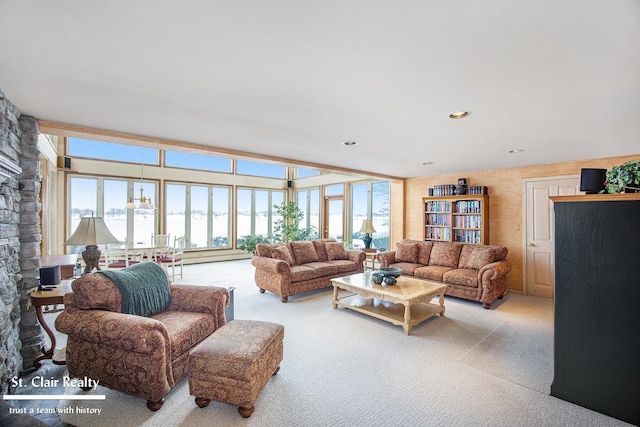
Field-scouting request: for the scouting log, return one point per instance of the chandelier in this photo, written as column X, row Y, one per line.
column 145, row 202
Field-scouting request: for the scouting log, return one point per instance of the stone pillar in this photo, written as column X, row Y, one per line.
column 30, row 232
column 10, row 150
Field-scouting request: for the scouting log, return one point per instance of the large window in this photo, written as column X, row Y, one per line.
column 309, row 203
column 204, row 162
column 255, row 213
column 207, row 224
column 107, row 198
column 111, row 151
column 267, row 170
column 371, row 201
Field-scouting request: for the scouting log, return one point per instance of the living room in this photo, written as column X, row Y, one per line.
column 559, row 140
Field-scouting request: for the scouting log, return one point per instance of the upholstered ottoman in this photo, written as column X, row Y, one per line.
column 234, row 364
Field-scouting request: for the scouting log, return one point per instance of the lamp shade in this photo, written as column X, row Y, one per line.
column 91, row 231
column 367, row 227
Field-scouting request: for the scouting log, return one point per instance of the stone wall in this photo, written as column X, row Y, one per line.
column 20, row 233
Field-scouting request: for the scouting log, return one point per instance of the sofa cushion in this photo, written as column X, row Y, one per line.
column 96, row 291
column 406, row 267
column 482, row 255
column 424, row 252
column 300, row 273
column 282, row 253
column 336, row 250
column 461, row 276
column 186, row 329
column 323, row 268
column 445, row 254
column 344, row 265
column 431, row 272
column 304, row 251
column 320, row 249
column 407, row 252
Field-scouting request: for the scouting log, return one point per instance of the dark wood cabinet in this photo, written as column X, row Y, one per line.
column 597, row 303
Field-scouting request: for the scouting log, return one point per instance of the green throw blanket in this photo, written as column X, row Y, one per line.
column 144, row 288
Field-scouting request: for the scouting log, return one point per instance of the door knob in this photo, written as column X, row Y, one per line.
column 531, row 245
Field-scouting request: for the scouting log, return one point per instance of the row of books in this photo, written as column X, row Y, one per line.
column 434, row 233
column 438, row 206
column 442, row 190
column 468, row 206
column 438, row 219
column 467, row 236
column 470, row 221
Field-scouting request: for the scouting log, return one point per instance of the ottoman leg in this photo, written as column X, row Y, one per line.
column 202, row 402
column 246, row 411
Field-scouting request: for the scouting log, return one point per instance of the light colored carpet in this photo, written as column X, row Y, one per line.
column 341, row 368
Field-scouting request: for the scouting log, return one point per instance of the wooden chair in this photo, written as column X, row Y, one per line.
column 173, row 257
column 160, row 245
column 121, row 257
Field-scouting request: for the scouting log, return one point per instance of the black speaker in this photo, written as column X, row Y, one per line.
column 289, row 184
column 64, row 162
column 50, row 275
column 592, row 181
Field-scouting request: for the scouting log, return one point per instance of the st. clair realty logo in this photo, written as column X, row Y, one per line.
column 42, row 382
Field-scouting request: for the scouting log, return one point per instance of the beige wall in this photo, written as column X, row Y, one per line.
column 505, row 203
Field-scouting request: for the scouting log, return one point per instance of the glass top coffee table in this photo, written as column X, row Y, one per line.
column 406, row 303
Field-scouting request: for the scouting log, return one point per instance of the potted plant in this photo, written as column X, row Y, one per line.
column 624, row 178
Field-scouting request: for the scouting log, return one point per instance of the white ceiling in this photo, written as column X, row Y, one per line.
column 295, row 79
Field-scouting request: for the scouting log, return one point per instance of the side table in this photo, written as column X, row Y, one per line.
column 41, row 300
column 372, row 256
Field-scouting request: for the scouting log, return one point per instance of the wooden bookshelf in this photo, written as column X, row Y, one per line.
column 463, row 219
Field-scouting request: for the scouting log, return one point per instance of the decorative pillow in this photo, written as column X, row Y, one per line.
column 320, row 249
column 304, row 251
column 445, row 254
column 424, row 252
column 282, row 253
column 336, row 250
column 407, row 252
column 465, row 257
column 483, row 255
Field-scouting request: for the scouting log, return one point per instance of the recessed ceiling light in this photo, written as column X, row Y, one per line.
column 427, row 163
column 458, row 115
column 349, row 143
column 516, row 150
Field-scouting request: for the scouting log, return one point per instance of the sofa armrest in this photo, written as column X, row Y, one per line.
column 495, row 269
column 115, row 330
column 200, row 299
column 386, row 258
column 357, row 256
column 274, row 265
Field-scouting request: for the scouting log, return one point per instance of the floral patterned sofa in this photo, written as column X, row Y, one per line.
column 474, row 272
column 144, row 356
column 302, row 266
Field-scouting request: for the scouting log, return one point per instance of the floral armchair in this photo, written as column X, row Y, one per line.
column 134, row 354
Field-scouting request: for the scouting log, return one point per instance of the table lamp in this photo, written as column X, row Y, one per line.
column 91, row 232
column 367, row 228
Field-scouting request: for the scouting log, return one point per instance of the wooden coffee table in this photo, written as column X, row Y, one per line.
column 406, row 303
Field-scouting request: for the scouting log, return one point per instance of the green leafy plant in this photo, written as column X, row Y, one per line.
column 287, row 228
column 249, row 243
column 625, row 175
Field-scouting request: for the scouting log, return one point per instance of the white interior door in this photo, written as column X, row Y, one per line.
column 539, row 244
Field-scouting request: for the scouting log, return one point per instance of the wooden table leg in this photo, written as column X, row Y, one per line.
column 47, row 353
column 407, row 319
column 335, row 297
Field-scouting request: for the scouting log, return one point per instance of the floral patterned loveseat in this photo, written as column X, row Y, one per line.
column 138, row 355
column 471, row 271
column 302, row 266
